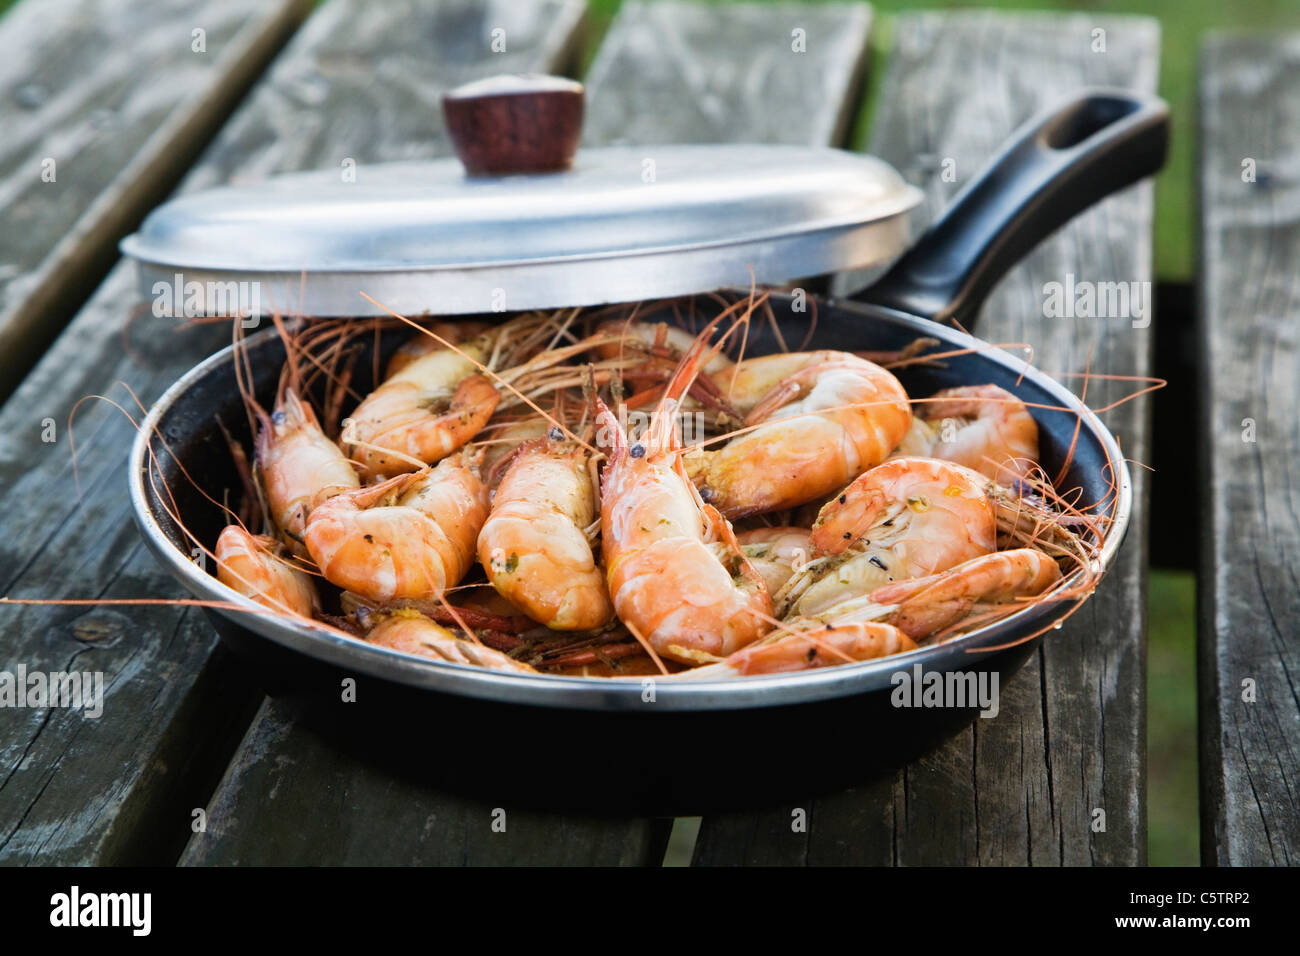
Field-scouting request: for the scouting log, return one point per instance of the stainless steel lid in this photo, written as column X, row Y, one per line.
column 622, row 224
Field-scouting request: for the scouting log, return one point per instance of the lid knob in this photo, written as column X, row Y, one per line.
column 515, row 123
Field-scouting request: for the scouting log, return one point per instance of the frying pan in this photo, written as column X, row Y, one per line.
column 686, row 747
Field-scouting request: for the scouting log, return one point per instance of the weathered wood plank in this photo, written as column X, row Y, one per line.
column 92, row 140
column 1249, row 629
column 289, row 799
column 356, row 82
column 760, row 73
column 1070, row 738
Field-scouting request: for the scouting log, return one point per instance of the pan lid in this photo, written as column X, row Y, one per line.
column 619, row 225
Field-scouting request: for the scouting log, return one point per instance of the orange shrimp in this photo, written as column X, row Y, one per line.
column 429, row 409
column 503, row 438
column 826, row 418
column 776, row 553
column 411, row 536
column 648, row 354
column 930, row 604
column 411, row 632
column 299, row 466
column 534, row 546
column 618, row 336
column 420, row 345
column 983, row 427
column 678, row 579
column 249, row 564
column 810, row 646
column 906, row 518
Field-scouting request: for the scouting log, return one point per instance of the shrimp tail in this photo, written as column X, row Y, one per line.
column 371, row 495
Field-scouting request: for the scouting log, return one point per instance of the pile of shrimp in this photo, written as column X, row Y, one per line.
column 593, row 493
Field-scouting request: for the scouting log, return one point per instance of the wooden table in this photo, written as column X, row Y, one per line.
column 1058, row 777
column 1247, row 428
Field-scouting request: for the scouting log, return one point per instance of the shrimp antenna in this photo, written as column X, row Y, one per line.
column 702, row 351
column 484, row 369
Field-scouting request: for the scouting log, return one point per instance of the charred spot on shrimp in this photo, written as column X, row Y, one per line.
column 505, row 564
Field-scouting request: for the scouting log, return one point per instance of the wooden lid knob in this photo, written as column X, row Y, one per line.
column 515, row 123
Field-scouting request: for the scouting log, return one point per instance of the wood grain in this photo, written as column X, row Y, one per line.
column 1070, row 739
column 288, row 799
column 1250, row 376
column 355, row 82
column 757, row 72
column 114, row 137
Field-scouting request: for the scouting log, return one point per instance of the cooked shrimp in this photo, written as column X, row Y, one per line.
column 906, row 518
column 411, row 536
column 677, row 577
column 647, row 354
column 429, row 409
column 249, row 564
column 930, row 604
column 983, row 427
column 811, row 645
column 299, row 466
column 776, row 553
column 619, row 336
column 501, row 439
column 534, row 547
column 411, row 632
column 924, row 606
column 420, row 345
column 827, row 417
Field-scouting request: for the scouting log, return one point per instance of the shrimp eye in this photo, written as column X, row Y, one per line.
column 637, row 450
column 278, row 417
column 555, row 434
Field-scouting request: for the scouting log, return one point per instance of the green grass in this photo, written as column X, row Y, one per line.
column 1173, row 835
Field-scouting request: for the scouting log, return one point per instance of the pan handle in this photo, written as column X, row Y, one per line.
column 1054, row 167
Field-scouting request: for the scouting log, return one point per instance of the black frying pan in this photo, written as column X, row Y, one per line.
column 605, row 744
